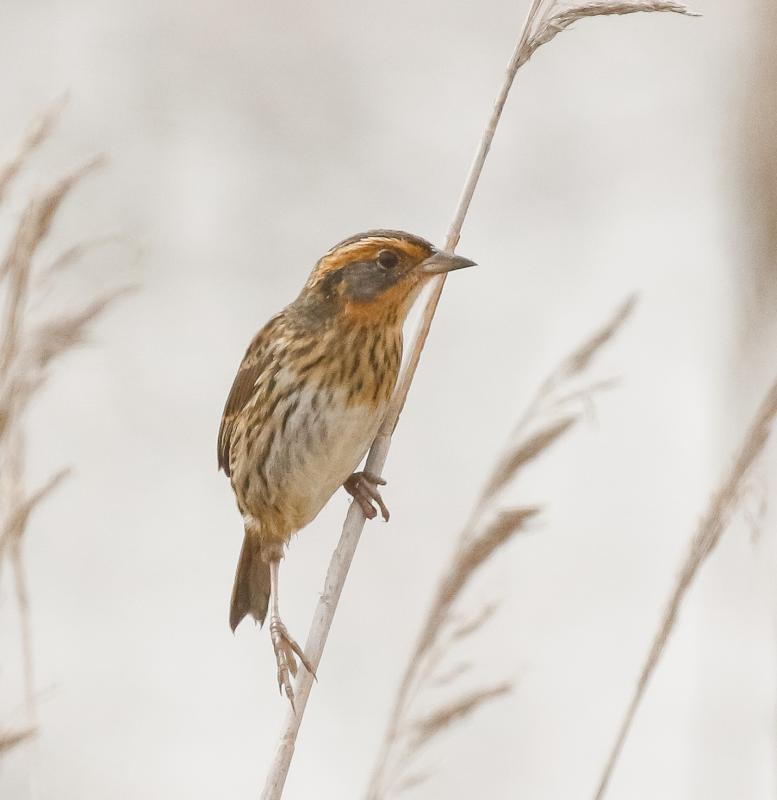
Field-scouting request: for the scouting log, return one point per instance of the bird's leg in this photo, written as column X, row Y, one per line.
column 284, row 645
column 363, row 487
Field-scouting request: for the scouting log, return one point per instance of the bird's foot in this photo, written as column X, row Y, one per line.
column 363, row 487
column 286, row 648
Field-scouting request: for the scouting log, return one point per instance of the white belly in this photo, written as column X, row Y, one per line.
column 320, row 447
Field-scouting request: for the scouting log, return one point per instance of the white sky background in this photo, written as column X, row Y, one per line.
column 246, row 138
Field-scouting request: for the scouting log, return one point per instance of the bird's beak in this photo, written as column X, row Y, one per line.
column 444, row 262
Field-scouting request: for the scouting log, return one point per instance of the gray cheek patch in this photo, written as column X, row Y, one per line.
column 365, row 280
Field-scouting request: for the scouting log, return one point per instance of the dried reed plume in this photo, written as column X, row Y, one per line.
column 722, row 505
column 28, row 347
column 555, row 409
column 545, row 19
column 11, row 739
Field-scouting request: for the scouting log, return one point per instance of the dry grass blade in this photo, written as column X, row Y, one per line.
column 56, row 336
column 477, row 551
column 36, row 221
column 76, row 252
column 452, row 674
column 16, row 520
column 43, row 345
column 576, row 362
column 476, row 622
column 11, row 739
column 579, row 359
column 554, row 23
column 435, row 723
column 586, row 394
column 38, row 133
column 506, row 471
column 17, row 265
column 713, row 524
column 545, row 21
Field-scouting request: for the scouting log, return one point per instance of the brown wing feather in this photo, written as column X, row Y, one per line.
column 254, row 362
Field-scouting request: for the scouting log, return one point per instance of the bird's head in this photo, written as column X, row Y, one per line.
column 377, row 273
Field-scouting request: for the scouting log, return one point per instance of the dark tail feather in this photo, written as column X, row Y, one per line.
column 251, row 592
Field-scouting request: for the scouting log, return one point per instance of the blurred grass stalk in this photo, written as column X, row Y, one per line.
column 545, row 19
column 28, row 347
column 557, row 407
column 722, row 506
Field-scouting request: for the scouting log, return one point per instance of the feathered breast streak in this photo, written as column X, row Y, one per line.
column 301, row 415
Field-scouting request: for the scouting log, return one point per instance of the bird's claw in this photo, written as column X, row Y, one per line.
column 363, row 487
column 286, row 648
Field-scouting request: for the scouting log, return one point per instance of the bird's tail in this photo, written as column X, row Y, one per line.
column 251, row 592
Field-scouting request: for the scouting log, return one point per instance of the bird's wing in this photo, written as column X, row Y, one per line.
column 255, row 361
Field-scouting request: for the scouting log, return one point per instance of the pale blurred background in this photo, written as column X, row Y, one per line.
column 244, row 139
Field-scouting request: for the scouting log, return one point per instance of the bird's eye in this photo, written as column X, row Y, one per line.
column 387, row 259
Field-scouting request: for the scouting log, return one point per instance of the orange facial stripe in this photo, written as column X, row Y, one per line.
column 367, row 250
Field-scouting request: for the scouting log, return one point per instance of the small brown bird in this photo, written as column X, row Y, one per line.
column 307, row 401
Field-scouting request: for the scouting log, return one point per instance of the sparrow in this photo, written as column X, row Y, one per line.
column 311, row 392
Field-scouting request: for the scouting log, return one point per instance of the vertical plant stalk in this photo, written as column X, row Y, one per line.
column 544, row 20
column 13, row 497
column 722, row 506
